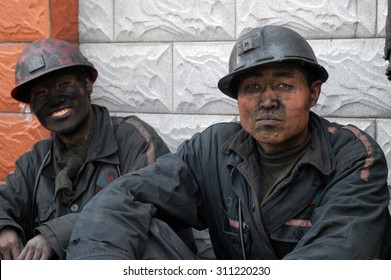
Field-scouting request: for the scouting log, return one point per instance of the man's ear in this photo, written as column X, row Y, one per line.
column 88, row 82
column 315, row 92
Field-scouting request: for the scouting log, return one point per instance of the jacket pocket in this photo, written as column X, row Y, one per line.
column 291, row 233
column 285, row 238
column 233, row 238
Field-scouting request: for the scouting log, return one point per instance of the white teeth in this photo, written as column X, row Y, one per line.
column 61, row 112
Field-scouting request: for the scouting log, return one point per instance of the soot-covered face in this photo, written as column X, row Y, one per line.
column 61, row 101
column 274, row 104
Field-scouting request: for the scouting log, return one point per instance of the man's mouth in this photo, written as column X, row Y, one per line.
column 269, row 122
column 60, row 113
column 268, row 118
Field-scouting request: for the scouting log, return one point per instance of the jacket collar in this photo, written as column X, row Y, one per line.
column 103, row 142
column 319, row 155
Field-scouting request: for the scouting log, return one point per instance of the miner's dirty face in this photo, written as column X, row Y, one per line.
column 274, row 104
column 61, row 100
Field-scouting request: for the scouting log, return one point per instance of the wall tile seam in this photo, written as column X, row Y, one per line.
column 172, row 77
column 49, row 18
column 114, row 20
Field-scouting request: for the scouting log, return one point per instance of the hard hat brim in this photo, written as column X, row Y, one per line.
column 18, row 93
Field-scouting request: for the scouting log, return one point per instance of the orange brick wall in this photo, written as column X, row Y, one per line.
column 21, row 22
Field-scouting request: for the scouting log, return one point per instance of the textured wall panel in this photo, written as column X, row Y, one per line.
column 311, row 18
column 381, row 17
column 132, row 77
column 197, row 69
column 368, row 125
column 175, row 129
column 64, row 20
column 18, row 133
column 23, row 20
column 96, row 23
column 9, row 54
column 357, row 86
column 191, row 20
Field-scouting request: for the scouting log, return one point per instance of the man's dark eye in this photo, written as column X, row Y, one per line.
column 39, row 94
column 64, row 84
column 284, row 86
column 253, row 87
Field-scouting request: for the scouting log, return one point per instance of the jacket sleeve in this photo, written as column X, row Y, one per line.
column 127, row 207
column 17, row 193
column 12, row 201
column 57, row 232
column 138, row 143
column 352, row 216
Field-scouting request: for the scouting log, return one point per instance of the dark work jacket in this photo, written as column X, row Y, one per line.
column 119, row 145
column 333, row 205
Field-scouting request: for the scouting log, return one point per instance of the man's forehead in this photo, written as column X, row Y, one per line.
column 53, row 76
column 277, row 69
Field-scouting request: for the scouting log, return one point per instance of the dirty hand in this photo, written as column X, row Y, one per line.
column 10, row 244
column 37, row 248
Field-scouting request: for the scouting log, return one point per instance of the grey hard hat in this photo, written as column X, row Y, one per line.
column 265, row 45
column 44, row 56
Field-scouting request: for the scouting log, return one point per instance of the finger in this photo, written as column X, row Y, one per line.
column 45, row 255
column 15, row 253
column 22, row 255
column 30, row 254
column 26, row 254
column 37, row 255
column 6, row 255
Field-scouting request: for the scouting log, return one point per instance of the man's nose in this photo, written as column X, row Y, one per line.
column 268, row 98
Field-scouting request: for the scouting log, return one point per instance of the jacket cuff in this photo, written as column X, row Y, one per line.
column 58, row 232
column 49, row 235
column 8, row 222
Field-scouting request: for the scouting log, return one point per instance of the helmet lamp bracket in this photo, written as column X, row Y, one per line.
column 247, row 44
column 35, row 62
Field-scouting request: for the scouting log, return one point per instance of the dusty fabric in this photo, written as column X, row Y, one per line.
column 48, row 188
column 334, row 205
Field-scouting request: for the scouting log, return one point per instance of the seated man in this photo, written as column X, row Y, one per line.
column 284, row 183
column 89, row 149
